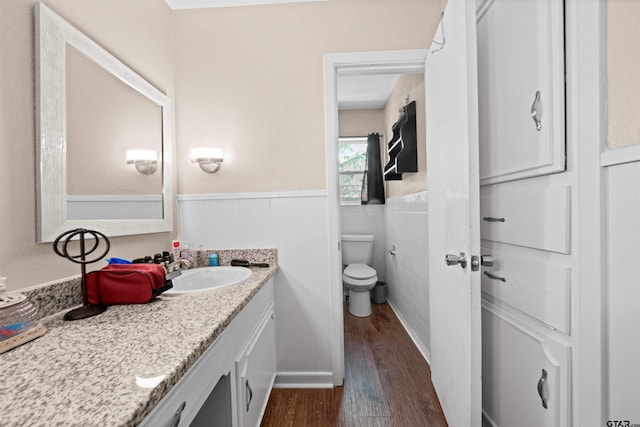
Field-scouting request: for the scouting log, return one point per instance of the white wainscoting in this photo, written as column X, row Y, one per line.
column 407, row 270
column 367, row 219
column 116, row 206
column 623, row 287
column 296, row 223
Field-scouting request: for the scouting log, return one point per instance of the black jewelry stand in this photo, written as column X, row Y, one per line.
column 87, row 310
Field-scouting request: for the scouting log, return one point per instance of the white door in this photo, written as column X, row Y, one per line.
column 452, row 169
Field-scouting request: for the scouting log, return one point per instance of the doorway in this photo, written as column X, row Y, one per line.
column 347, row 65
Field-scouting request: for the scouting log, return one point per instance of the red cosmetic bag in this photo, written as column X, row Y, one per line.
column 126, row 284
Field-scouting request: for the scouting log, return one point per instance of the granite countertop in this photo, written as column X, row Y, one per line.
column 112, row 369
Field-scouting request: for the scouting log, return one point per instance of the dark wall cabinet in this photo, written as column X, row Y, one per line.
column 403, row 146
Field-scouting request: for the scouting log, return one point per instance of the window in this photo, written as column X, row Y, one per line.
column 352, row 155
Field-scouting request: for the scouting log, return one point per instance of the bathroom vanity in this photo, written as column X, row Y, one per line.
column 182, row 360
column 230, row 383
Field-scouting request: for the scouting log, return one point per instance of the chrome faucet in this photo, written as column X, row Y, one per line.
column 178, row 264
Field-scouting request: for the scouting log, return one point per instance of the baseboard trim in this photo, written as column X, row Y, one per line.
column 421, row 348
column 304, row 380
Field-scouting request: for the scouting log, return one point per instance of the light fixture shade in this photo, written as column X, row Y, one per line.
column 209, row 158
column 145, row 161
column 142, row 155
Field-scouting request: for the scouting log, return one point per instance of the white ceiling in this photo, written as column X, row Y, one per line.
column 199, row 4
column 365, row 92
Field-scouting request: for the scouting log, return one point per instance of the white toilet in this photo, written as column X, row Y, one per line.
column 358, row 276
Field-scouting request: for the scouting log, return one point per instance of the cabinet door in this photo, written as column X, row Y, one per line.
column 256, row 370
column 525, row 374
column 520, row 89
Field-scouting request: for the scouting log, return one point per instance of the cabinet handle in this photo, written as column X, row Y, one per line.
column 541, row 381
column 176, row 417
column 536, row 111
column 492, row 219
column 494, row 277
column 250, row 393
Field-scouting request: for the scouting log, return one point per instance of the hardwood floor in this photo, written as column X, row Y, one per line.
column 387, row 383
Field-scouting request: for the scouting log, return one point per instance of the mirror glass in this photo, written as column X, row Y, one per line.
column 92, row 109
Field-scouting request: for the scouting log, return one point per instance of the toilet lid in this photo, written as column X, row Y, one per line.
column 359, row 271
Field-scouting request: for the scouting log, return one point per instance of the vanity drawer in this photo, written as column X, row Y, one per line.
column 540, row 289
column 525, row 374
column 537, row 218
column 256, row 372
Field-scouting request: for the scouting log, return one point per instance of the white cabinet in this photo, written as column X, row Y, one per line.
column 209, row 393
column 520, row 89
column 255, row 373
column 526, row 316
column 525, row 374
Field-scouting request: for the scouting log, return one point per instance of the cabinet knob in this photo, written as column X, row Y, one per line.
column 176, row 417
column 536, row 111
column 494, row 277
column 249, row 393
column 541, row 381
column 493, row 219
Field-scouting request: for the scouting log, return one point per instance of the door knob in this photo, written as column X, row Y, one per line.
column 486, row 260
column 483, row 260
column 456, row 260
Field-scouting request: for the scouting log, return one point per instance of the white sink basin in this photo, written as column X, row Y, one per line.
column 208, row 278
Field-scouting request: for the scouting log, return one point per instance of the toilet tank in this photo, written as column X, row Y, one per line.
column 357, row 248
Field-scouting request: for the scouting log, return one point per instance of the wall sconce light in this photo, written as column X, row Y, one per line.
column 146, row 161
column 208, row 158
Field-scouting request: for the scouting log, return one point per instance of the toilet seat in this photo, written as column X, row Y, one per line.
column 360, row 275
column 359, row 271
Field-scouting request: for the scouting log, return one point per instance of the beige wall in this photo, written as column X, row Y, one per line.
column 361, row 122
column 413, row 86
column 623, row 63
column 137, row 32
column 250, row 80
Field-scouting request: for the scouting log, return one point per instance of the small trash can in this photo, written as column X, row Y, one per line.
column 379, row 293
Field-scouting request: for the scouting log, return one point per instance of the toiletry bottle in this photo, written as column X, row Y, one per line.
column 213, row 260
column 157, row 259
column 185, row 253
column 175, row 249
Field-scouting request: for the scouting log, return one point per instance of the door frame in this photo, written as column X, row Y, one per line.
column 349, row 64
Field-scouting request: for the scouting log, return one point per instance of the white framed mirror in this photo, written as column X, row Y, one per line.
column 91, row 111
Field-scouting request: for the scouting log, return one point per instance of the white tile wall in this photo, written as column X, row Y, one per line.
column 297, row 225
column 407, row 271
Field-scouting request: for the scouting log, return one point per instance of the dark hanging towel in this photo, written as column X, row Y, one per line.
column 372, row 182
